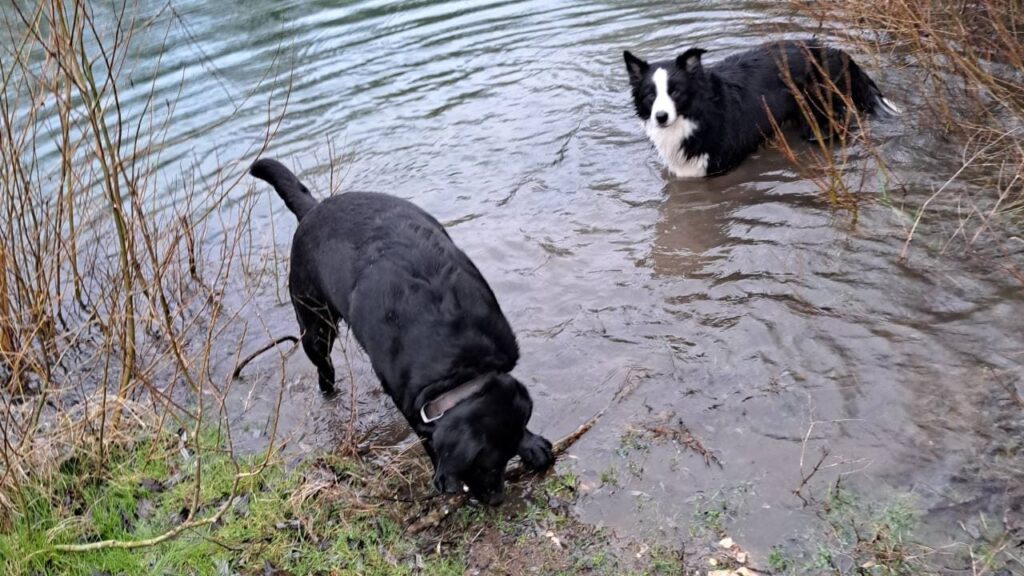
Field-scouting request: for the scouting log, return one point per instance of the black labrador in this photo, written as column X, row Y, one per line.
column 426, row 317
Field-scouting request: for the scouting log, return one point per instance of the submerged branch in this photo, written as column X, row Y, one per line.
column 245, row 361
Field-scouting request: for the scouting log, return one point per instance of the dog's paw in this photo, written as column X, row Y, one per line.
column 327, row 386
column 535, row 451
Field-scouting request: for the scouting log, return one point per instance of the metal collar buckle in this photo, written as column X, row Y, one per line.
column 425, row 418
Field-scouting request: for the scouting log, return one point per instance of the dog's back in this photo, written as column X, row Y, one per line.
column 772, row 70
column 391, row 271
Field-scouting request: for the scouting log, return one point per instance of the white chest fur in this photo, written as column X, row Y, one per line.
column 669, row 143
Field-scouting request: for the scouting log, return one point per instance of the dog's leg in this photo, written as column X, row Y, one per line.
column 318, row 334
column 535, row 451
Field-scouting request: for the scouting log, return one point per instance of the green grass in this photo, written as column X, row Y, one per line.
column 633, row 442
column 562, row 485
column 862, row 537
column 777, row 561
column 610, row 477
column 875, row 535
column 710, row 518
column 663, row 561
column 330, row 515
column 352, row 523
column 136, row 497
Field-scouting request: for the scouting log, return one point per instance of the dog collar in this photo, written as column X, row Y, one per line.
column 433, row 411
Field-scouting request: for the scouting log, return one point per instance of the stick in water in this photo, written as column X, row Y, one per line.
column 251, row 357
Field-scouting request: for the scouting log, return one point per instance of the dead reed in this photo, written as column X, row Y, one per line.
column 111, row 310
column 962, row 62
column 835, row 130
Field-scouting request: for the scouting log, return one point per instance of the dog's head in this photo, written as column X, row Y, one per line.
column 475, row 440
column 664, row 91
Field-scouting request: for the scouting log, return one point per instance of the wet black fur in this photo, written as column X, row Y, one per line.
column 424, row 315
column 728, row 99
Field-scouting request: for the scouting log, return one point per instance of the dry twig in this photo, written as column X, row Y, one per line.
column 245, row 361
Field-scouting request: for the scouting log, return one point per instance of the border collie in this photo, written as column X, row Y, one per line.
column 425, row 316
column 706, row 121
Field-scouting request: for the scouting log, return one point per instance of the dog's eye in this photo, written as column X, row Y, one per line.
column 674, row 93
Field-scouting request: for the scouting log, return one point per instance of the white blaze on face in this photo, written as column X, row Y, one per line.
column 662, row 101
column 668, row 138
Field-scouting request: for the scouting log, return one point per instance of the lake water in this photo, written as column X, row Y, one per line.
column 744, row 306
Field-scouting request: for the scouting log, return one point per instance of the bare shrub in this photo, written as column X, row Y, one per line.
column 111, row 308
column 964, row 63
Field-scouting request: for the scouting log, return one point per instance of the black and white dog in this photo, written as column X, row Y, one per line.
column 706, row 121
column 435, row 335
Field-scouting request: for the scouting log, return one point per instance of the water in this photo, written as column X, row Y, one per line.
column 743, row 305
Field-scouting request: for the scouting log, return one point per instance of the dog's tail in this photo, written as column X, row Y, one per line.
column 295, row 195
column 868, row 97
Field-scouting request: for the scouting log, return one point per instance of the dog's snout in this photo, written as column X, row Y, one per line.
column 445, row 485
column 661, row 117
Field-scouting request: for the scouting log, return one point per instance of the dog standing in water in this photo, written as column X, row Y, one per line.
column 435, row 335
column 704, row 122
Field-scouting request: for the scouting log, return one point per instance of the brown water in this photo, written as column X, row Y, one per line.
column 744, row 304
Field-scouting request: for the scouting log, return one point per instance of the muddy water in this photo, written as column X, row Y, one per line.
column 743, row 307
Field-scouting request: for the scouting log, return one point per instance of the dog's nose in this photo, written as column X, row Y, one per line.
column 661, row 117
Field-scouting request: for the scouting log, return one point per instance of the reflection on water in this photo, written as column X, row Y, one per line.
column 743, row 303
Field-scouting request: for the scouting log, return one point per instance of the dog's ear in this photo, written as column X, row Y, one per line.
column 690, row 60
column 456, row 447
column 636, row 67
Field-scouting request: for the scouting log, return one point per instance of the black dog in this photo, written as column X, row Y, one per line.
column 429, row 322
column 705, row 122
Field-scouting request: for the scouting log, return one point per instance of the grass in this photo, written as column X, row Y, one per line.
column 878, row 537
column 610, row 477
column 333, row 515
column 873, row 536
column 562, row 485
column 664, row 561
column 139, row 496
column 777, row 561
column 710, row 520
